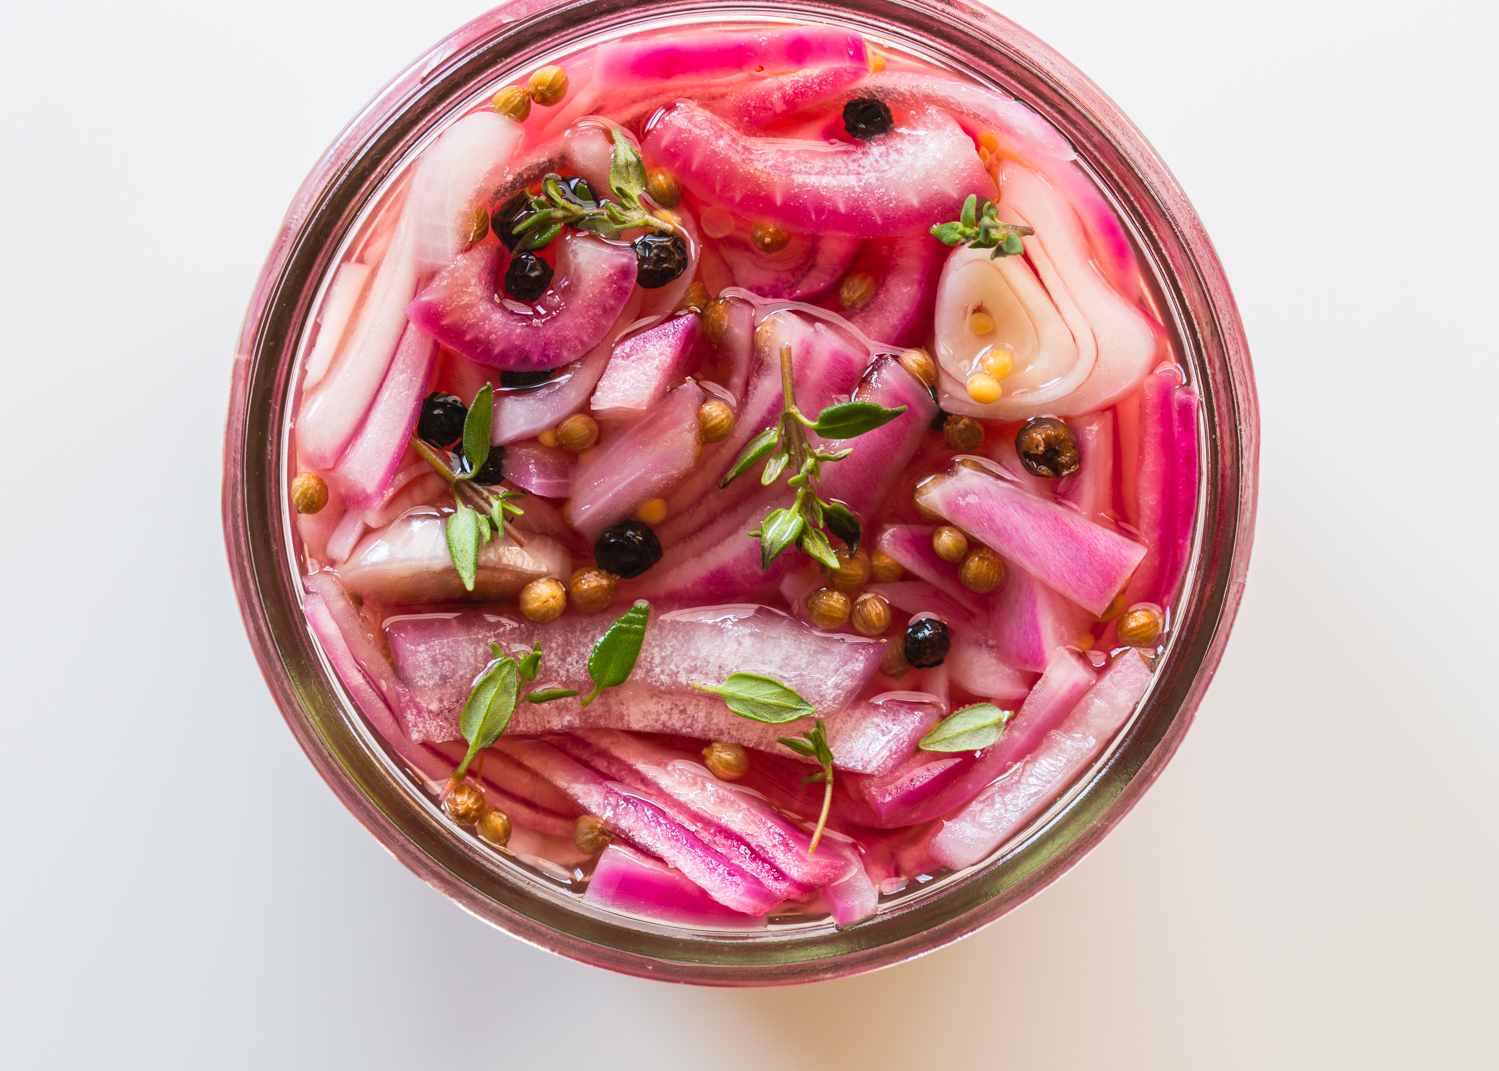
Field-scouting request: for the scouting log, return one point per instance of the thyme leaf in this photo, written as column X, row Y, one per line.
column 970, row 728
column 760, row 698
column 813, row 744
column 983, row 230
column 613, row 657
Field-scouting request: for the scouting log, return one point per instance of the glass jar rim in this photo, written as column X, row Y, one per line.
column 1196, row 304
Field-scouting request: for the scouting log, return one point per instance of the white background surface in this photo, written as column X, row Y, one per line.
column 1313, row 883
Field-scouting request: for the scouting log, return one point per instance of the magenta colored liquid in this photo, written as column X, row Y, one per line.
column 809, row 238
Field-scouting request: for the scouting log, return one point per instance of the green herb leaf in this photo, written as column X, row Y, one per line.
column 539, row 238
column 779, row 531
column 969, row 215
column 613, row 656
column 528, row 667
column 464, row 541
column 547, row 695
column 816, row 544
column 476, row 429
column 848, row 419
column 627, row 171
column 761, row 698
column 488, row 709
column 754, row 450
column 773, row 469
column 950, row 233
column 969, row 729
column 840, row 520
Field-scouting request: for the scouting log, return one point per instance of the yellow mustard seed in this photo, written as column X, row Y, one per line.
column 984, row 388
column 998, row 362
column 652, row 511
column 980, row 322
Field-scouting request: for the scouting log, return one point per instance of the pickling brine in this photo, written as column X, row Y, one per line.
column 741, row 475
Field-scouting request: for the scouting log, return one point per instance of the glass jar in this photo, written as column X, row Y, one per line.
column 1190, row 293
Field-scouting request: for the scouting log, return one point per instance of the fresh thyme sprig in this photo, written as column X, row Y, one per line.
column 558, row 206
column 478, row 513
column 814, row 745
column 491, row 703
column 765, row 699
column 785, row 444
column 984, row 230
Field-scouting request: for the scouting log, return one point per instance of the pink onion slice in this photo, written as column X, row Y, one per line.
column 721, row 837
column 640, row 821
column 713, row 801
column 370, row 462
column 332, row 411
column 805, row 267
column 920, row 597
column 541, row 470
column 524, row 797
column 906, row 271
column 1023, row 792
column 865, row 478
column 438, row 655
column 1076, row 557
column 343, row 296
column 451, row 180
column 762, row 101
column 715, row 54
column 1091, row 487
column 1165, row 485
column 911, row 545
column 1029, row 621
column 645, row 460
column 632, row 883
column 915, row 799
column 408, row 562
column 976, row 664
column 907, row 180
column 521, row 413
column 643, row 366
column 977, row 108
column 460, row 309
column 854, row 896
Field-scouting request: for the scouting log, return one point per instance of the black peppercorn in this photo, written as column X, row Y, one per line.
column 627, row 549
column 659, row 258
column 939, row 420
column 1047, row 448
column 927, row 641
column 503, row 219
column 528, row 277
column 526, row 379
column 867, row 118
column 491, row 472
column 441, row 422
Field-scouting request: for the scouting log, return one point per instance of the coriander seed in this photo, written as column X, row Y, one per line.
column 981, row 570
column 828, row 609
column 513, row 102
column 577, row 433
column 857, row 291
column 949, row 544
column 543, row 600
column 494, row 827
column 465, row 804
column 894, row 664
column 592, row 589
column 919, row 363
column 309, row 493
column 548, row 86
column 715, row 420
column 768, row 238
column 694, row 298
column 728, row 762
column 871, row 616
column 962, row 433
column 1047, row 448
column 591, row 835
column 885, row 569
column 852, row 571
column 663, row 187
column 1141, row 625
column 716, row 320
